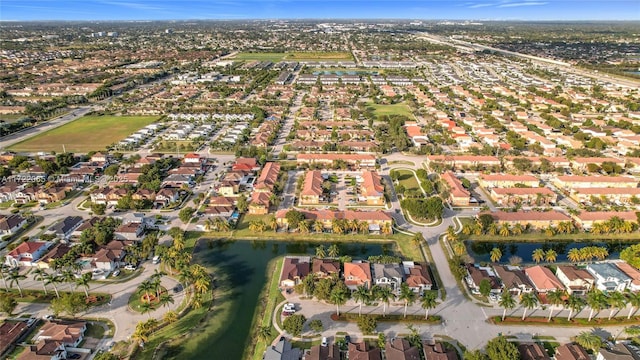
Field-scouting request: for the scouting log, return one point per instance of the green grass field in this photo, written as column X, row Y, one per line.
column 408, row 180
column 394, row 109
column 89, row 133
column 295, row 56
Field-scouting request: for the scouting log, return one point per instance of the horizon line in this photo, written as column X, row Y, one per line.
column 314, row 19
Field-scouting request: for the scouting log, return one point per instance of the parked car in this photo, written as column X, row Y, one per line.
column 177, row 288
column 48, row 317
column 324, row 342
column 289, row 307
column 116, row 273
column 288, row 313
column 130, row 267
column 347, row 339
column 74, row 356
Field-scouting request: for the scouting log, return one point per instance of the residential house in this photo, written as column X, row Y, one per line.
column 323, row 268
column 438, row 351
column 543, row 279
column 609, row 277
column 619, row 351
column 246, row 165
column 417, row 276
column 586, row 219
column 10, row 332
column 178, row 180
column 10, row 224
column 26, row 195
column 532, row 351
column 268, row 177
column 294, row 270
column 312, row 189
column 357, row 273
column 319, row 352
column 69, row 333
column 576, row 281
column 458, row 195
column 166, row 196
column 8, row 191
column 536, row 196
column 45, row 350
column 475, row 276
column 631, row 272
column 362, row 351
column 51, row 194
column 388, row 275
column 513, row 279
column 571, row 352
column 144, row 195
column 282, row 350
column 56, row 252
column 86, row 224
column 353, row 160
column 230, row 184
column 260, row 202
column 455, row 162
column 615, row 195
column 220, row 206
column 27, row 253
column 63, row 229
column 569, row 182
column 507, row 181
column 371, row 188
column 130, row 231
column 400, row 349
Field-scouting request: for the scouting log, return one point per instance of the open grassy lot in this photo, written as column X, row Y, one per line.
column 85, row 134
column 408, row 180
column 294, row 56
column 394, row 109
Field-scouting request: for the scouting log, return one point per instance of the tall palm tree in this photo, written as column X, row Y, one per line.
column 309, row 282
column 41, row 275
column 550, row 256
column 386, row 228
column 574, row 255
column 589, row 341
column 14, row 278
column 318, row 226
column 334, row 251
column 517, row 229
column 338, row 297
column 495, row 254
column 179, row 242
column 361, row 295
column 617, row 301
column 170, row 317
column 505, row 230
column 538, row 255
column 506, row 302
column 528, row 301
column 53, row 279
column 407, row 296
column 575, row 304
column 337, row 227
column 427, row 302
column 303, row 226
column 69, row 277
column 202, row 284
column 634, row 301
column 320, row 253
column 147, row 287
column 146, row 308
column 597, row 301
column 264, row 333
column 4, row 270
column 273, row 223
column 84, row 282
column 165, row 299
column 555, row 298
column 385, row 295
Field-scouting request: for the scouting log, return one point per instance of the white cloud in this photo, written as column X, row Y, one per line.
column 526, row 3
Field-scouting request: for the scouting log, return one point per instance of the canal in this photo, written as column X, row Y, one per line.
column 240, row 272
column 479, row 250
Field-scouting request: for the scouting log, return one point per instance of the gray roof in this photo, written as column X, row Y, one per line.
column 621, row 352
column 67, row 224
column 282, row 351
column 387, row 271
column 608, row 270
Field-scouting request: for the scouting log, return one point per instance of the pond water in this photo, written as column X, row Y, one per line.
column 241, row 267
column 480, row 250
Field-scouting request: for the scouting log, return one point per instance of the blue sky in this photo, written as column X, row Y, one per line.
column 296, row 9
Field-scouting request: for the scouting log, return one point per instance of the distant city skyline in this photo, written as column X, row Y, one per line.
column 570, row 10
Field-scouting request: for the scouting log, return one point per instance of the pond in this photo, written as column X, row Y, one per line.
column 479, row 250
column 240, row 267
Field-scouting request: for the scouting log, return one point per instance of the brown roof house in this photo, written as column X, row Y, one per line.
column 513, row 279
column 371, row 188
column 400, row 349
column 577, row 281
column 417, row 276
column 9, row 332
column 437, row 351
column 357, row 273
column 477, row 274
column 294, row 270
column 323, row 268
column 9, row 224
column 571, row 352
column 312, row 189
column 532, row 351
column 69, row 333
column 319, row 352
column 27, row 254
column 362, row 351
column 458, row 195
column 130, row 231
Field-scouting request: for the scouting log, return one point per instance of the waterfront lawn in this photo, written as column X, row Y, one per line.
column 542, row 237
column 273, row 298
column 394, row 109
column 89, row 133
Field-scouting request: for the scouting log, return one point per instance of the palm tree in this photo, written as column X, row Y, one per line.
column 338, row 297
column 492, row 229
column 53, row 279
column 334, row 251
column 170, row 316
column 418, row 239
column 165, row 299
column 427, row 302
column 505, row 230
column 318, row 226
column 506, row 302
column 361, row 295
column 589, row 341
column 617, row 301
column 555, row 298
column 574, row 303
column 407, row 295
column 179, row 242
column 451, row 233
column 320, row 253
column 550, row 256
column 146, row 308
column 385, row 295
column 273, row 223
column 84, row 282
column 574, row 255
column 147, row 286
column 41, row 275
column 69, row 277
column 303, row 227
column 14, row 278
column 202, row 284
column 634, row 301
column 309, row 282
column 4, row 269
column 517, row 229
column 386, row 228
column 538, row 255
column 597, row 301
column 458, row 248
column 495, row 254
column 264, row 333
column 528, row 301
column 337, row 227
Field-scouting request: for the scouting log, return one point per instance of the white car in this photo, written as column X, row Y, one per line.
column 324, row 342
column 130, row 267
column 289, row 307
